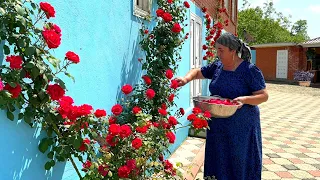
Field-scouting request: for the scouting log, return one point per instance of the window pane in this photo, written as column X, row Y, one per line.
column 145, row 6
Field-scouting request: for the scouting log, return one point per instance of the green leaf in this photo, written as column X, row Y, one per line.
column 77, row 142
column 33, row 5
column 49, row 132
column 54, row 61
column 27, row 119
column 70, row 76
column 30, row 65
column 20, row 116
column 35, row 71
column 61, row 83
column 10, row 115
column 50, row 155
column 6, row 49
column 30, row 51
column 21, row 43
column 48, row 165
column 20, row 10
column 12, row 84
column 2, row 11
column 44, row 145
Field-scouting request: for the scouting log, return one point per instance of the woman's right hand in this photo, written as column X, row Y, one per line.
column 181, row 80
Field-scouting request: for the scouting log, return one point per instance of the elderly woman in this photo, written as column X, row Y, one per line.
column 233, row 145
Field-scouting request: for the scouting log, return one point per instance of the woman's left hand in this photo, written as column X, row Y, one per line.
column 241, row 99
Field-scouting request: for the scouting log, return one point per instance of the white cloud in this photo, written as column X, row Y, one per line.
column 315, row 9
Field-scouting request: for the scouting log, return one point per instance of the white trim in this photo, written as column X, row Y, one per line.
column 195, row 63
column 310, row 45
column 274, row 45
column 137, row 11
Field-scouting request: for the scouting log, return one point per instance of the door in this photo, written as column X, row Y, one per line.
column 282, row 64
column 195, row 52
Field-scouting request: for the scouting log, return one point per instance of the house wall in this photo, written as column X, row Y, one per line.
column 105, row 36
column 266, row 60
column 211, row 5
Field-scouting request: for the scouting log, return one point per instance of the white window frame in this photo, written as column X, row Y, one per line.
column 139, row 11
column 234, row 10
column 195, row 63
column 226, row 4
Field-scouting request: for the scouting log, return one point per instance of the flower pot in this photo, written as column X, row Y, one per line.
column 304, row 83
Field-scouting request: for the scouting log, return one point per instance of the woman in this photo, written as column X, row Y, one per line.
column 233, row 145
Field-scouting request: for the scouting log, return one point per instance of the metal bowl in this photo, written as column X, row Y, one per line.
column 216, row 110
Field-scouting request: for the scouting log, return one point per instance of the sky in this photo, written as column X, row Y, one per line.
column 299, row 9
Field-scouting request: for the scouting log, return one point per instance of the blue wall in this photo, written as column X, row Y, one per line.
column 105, row 36
column 254, row 56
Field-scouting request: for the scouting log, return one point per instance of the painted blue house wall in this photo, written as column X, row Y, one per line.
column 105, row 36
column 254, row 56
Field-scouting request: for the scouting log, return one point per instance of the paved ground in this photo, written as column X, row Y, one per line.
column 291, row 136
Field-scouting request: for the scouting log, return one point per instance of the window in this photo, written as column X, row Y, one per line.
column 226, row 4
column 234, row 6
column 142, row 8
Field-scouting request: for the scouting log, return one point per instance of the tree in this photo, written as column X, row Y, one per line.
column 299, row 28
column 258, row 25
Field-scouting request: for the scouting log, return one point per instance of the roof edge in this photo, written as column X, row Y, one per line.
column 274, row 45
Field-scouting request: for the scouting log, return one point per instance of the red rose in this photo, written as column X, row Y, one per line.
column 155, row 124
column 150, row 93
column 167, row 164
column 146, row 79
column 172, row 120
column 170, row 1
column 48, row 9
column 169, row 73
column 66, row 100
column 204, row 9
column 204, row 47
column 116, row 109
column 100, row 113
column 123, row 172
column 174, row 84
column 167, row 17
column 112, row 140
column 126, row 89
column 204, row 123
column 87, row 164
column 163, row 106
column 73, row 57
column 131, row 164
column 136, row 110
column 182, row 111
column 186, row 4
column 171, row 97
column 56, row 28
column 14, row 91
column 83, row 146
column 196, row 110
column 52, row 39
column 176, row 28
column 112, row 120
column 136, row 143
column 161, row 157
column 125, row 131
column 160, row 12
column 146, row 31
column 84, row 110
column 191, row 117
column 114, row 129
column 163, row 112
column 55, row 91
column 142, row 130
column 197, row 123
column 171, row 137
column 207, row 114
column 15, row 62
column 103, row 169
